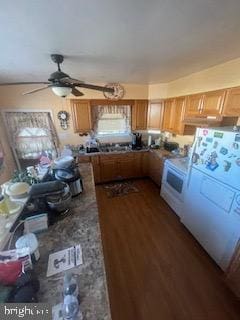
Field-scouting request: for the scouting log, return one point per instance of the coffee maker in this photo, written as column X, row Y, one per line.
column 136, row 141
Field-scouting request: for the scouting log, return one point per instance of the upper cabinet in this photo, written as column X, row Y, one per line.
column 81, row 115
column 177, row 115
column 232, row 103
column 212, row 103
column 205, row 104
column 155, row 115
column 193, row 107
column 168, row 115
column 173, row 117
column 139, row 115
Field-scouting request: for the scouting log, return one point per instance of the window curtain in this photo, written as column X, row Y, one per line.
column 25, row 145
column 100, row 110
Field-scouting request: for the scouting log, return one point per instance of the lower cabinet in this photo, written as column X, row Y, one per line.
column 108, row 168
column 120, row 166
column 128, row 165
column 155, row 168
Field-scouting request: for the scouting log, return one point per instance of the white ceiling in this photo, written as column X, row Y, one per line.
column 135, row 41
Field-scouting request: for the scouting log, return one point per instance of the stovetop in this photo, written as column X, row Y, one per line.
column 180, row 163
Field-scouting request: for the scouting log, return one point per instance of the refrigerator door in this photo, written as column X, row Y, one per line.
column 211, row 215
column 217, row 154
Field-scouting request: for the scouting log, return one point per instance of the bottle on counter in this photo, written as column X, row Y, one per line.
column 70, row 308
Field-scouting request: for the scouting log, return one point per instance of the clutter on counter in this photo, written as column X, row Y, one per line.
column 71, row 229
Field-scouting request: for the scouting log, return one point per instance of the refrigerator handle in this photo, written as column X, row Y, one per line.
column 192, row 152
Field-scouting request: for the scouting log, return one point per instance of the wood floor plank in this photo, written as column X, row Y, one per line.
column 155, row 269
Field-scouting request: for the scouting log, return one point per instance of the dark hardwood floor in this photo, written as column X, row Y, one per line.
column 155, row 269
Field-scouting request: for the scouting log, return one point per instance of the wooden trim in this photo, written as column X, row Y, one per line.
column 95, row 102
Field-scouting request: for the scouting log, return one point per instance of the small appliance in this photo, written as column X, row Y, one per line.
column 136, row 141
column 170, row 146
column 69, row 174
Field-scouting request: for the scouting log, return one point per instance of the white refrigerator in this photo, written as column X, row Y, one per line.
column 212, row 192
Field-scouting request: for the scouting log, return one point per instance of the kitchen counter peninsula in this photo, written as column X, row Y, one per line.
column 80, row 226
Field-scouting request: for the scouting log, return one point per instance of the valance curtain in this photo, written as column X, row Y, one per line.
column 100, row 110
column 44, row 139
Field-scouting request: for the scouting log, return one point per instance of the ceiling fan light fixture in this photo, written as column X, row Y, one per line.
column 61, row 91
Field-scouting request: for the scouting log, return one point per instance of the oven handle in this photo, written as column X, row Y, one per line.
column 179, row 175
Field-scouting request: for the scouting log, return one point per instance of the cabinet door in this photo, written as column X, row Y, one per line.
column 155, row 168
column 167, row 114
column 125, row 166
column 177, row 125
column 81, row 115
column 137, row 165
column 212, row 103
column 193, row 106
column 139, row 115
column 155, row 112
column 108, row 168
column 96, row 168
column 232, row 103
column 145, row 164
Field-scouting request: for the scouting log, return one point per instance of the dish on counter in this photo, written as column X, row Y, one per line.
column 18, row 190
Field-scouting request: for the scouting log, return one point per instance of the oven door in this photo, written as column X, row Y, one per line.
column 173, row 180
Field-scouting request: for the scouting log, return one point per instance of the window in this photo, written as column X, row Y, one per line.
column 31, row 142
column 32, row 134
column 111, row 119
column 112, row 124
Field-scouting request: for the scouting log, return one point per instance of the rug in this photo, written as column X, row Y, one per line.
column 118, row 189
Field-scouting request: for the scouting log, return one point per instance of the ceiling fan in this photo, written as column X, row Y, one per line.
column 61, row 83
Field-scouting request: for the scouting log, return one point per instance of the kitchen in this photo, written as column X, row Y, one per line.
column 155, row 210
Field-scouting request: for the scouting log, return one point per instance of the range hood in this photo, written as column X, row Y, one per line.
column 211, row 121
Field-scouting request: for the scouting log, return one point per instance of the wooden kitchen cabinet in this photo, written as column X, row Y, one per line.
column 232, row 102
column 81, row 115
column 155, row 115
column 145, row 164
column 120, row 166
column 108, row 168
column 96, row 168
column 212, row 103
column 177, row 115
column 155, row 168
column 139, row 115
column 168, row 115
column 125, row 166
column 193, row 106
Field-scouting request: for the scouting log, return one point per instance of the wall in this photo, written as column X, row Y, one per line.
column 221, row 76
column 12, row 98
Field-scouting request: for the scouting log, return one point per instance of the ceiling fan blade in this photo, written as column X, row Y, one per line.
column 21, row 83
column 36, row 90
column 71, row 80
column 94, row 87
column 76, row 92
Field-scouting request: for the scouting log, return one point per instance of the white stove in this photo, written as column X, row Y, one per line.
column 180, row 164
column 173, row 183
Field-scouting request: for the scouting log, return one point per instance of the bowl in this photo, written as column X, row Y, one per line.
column 63, row 162
column 18, row 190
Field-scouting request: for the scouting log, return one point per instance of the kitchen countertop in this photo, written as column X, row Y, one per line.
column 161, row 153
column 81, row 226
